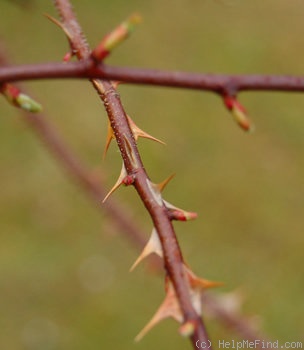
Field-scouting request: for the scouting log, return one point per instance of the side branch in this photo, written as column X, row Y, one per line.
column 219, row 83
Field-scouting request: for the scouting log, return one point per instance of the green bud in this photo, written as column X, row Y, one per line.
column 28, row 104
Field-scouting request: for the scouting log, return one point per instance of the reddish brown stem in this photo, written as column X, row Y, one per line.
column 118, row 213
column 219, row 83
column 93, row 187
column 172, row 255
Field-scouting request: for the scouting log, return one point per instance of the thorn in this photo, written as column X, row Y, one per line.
column 153, row 246
column 116, row 83
column 169, row 308
column 110, row 137
column 120, row 180
column 131, row 151
column 59, row 24
column 179, row 214
column 196, row 287
column 200, row 283
column 238, row 112
column 161, row 186
column 155, row 192
column 137, row 132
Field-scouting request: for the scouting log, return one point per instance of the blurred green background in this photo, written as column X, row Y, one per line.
column 64, row 280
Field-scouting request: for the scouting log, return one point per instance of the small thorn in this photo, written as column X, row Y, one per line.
column 153, row 246
column 137, row 132
column 200, row 283
column 122, row 175
column 179, row 214
column 131, row 151
column 116, row 83
column 164, row 183
column 59, row 24
column 169, row 308
column 155, row 192
column 206, row 284
column 110, row 137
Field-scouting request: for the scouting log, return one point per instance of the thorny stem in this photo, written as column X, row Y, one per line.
column 219, row 83
column 94, row 188
column 172, row 255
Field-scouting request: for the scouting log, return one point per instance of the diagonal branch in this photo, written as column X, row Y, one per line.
column 87, row 69
column 119, row 214
column 133, row 164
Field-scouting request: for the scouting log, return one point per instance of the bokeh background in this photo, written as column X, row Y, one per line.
column 64, row 280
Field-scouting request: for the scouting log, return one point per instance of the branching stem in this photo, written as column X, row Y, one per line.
column 93, row 187
column 173, row 260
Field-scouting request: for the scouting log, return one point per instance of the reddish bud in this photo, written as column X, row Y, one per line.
column 111, row 40
column 10, row 91
column 229, row 101
column 100, row 52
column 128, row 180
column 67, row 57
column 18, row 99
column 239, row 112
column 187, row 329
column 181, row 215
